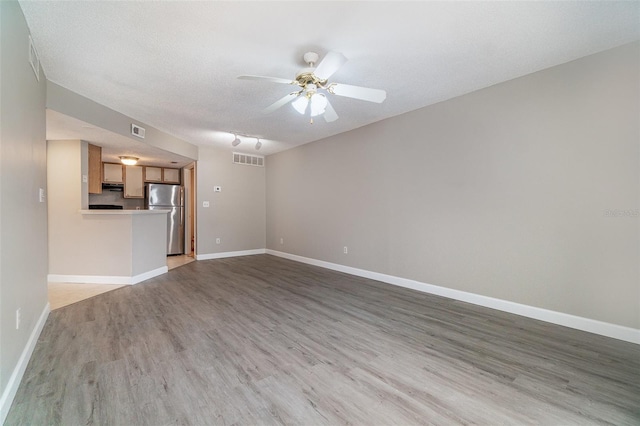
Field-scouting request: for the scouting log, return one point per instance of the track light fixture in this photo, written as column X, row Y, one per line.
column 236, row 141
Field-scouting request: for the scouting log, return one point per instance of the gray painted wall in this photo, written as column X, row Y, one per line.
column 78, row 245
column 503, row 192
column 23, row 219
column 236, row 214
column 145, row 235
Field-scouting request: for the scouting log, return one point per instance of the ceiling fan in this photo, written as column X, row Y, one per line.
column 311, row 81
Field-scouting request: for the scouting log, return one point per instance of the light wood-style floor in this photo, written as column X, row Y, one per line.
column 63, row 294
column 263, row 340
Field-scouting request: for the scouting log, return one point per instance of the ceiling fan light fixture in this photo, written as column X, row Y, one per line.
column 300, row 104
column 318, row 104
column 258, row 144
column 236, row 141
column 128, row 161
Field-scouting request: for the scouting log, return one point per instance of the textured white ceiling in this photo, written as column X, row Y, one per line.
column 174, row 65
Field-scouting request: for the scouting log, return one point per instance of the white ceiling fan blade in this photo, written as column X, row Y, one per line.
column 357, row 92
column 283, row 101
column 263, row 78
column 330, row 64
column 330, row 113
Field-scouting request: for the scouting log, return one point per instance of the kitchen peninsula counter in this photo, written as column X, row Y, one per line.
column 111, row 247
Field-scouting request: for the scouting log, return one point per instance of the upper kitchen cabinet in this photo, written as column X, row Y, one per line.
column 112, row 173
column 153, row 174
column 171, row 175
column 95, row 169
column 133, row 182
column 161, row 175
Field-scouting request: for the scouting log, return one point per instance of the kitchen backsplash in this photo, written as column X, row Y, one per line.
column 116, row 198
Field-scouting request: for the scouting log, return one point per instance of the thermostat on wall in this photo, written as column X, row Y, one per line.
column 137, row 131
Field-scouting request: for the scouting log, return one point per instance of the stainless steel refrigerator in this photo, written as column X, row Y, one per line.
column 168, row 197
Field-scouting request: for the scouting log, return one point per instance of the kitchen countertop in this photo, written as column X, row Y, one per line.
column 123, row 212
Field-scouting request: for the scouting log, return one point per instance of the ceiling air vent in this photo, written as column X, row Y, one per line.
column 248, row 160
column 137, row 131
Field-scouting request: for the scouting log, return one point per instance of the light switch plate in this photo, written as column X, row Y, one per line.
column 85, row 179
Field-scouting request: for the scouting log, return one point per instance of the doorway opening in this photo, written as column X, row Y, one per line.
column 190, row 210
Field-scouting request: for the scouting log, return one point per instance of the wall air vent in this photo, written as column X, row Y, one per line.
column 248, row 160
column 137, row 131
column 34, row 60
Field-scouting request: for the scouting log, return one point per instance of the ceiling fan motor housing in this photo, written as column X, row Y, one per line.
column 306, row 76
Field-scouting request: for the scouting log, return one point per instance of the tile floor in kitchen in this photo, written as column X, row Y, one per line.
column 63, row 294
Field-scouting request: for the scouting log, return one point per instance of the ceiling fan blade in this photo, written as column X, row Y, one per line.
column 283, row 101
column 357, row 92
column 330, row 64
column 330, row 113
column 270, row 79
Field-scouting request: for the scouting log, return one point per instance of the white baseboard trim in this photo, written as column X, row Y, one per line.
column 16, row 377
column 615, row 331
column 222, row 255
column 106, row 279
column 149, row 274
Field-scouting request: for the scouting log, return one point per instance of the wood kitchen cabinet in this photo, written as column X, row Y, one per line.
column 161, row 175
column 133, row 182
column 171, row 175
column 112, row 173
column 152, row 174
column 95, row 169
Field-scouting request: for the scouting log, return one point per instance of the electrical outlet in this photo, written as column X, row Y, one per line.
column 281, row 240
column 205, row 204
column 18, row 318
column 346, row 250
column 41, row 195
column 85, row 179
column 217, row 240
